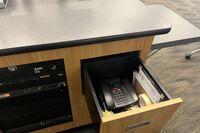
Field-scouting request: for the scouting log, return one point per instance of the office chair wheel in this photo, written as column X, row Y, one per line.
column 188, row 56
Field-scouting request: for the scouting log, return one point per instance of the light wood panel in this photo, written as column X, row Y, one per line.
column 72, row 57
column 155, row 116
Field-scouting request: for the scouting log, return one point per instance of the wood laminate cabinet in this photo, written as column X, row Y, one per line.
column 79, row 30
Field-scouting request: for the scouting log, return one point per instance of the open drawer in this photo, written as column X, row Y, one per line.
column 150, row 118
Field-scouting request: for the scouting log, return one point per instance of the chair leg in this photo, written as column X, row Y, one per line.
column 188, row 56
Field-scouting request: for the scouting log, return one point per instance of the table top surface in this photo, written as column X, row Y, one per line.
column 182, row 31
column 33, row 25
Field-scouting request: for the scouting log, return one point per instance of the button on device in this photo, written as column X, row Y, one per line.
column 60, row 74
column 53, row 67
column 4, row 95
column 39, row 88
column 12, row 68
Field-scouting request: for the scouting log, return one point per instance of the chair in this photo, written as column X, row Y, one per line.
column 188, row 55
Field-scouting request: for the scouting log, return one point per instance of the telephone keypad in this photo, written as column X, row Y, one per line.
column 118, row 95
column 120, row 92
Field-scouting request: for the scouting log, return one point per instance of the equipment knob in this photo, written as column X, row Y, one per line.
column 12, row 68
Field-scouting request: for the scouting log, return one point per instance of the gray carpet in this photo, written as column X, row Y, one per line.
column 180, row 77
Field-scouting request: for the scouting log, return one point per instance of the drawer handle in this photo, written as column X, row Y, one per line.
column 133, row 126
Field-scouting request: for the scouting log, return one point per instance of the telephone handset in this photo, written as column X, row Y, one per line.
column 118, row 93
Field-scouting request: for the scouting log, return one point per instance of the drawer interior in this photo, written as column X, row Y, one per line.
column 96, row 69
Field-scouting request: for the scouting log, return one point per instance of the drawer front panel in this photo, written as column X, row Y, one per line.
column 150, row 120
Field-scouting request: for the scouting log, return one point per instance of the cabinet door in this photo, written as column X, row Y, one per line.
column 149, row 119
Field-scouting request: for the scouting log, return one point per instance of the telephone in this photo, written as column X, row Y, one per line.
column 118, row 93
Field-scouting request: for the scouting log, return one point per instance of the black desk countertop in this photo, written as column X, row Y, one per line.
column 33, row 25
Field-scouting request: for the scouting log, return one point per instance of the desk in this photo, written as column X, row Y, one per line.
column 28, row 26
column 182, row 31
column 73, row 30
